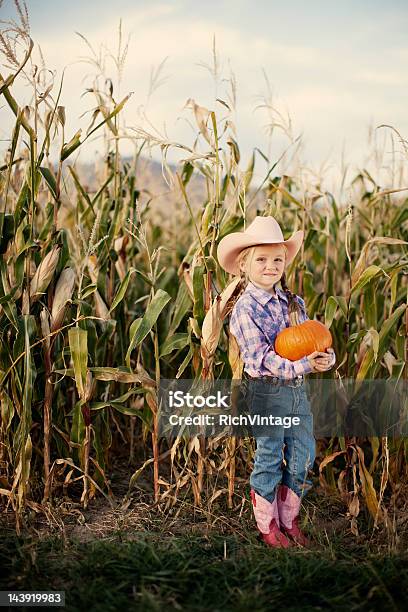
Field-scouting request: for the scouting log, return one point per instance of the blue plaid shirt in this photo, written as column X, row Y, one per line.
column 255, row 321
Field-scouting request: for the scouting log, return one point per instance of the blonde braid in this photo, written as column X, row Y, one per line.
column 293, row 305
column 243, row 255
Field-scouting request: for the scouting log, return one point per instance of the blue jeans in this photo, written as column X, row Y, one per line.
column 283, row 455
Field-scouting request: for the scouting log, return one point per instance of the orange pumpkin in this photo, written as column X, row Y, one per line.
column 297, row 341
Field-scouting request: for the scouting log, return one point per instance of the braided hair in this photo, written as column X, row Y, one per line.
column 294, row 307
column 243, row 256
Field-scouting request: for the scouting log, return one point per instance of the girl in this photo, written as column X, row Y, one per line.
column 275, row 385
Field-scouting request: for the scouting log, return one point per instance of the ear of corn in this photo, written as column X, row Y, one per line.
column 44, row 273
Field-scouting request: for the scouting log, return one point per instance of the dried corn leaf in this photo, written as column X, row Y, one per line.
column 361, row 264
column 367, row 486
column 213, row 320
column 234, row 357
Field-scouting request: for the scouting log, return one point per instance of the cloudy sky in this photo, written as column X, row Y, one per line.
column 336, row 67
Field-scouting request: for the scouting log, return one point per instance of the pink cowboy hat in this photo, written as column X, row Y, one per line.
column 262, row 230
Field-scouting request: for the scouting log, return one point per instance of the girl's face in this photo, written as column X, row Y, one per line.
column 265, row 265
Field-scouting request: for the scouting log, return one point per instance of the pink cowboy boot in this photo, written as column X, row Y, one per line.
column 267, row 520
column 289, row 507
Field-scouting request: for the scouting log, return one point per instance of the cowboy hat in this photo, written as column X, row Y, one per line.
column 262, row 230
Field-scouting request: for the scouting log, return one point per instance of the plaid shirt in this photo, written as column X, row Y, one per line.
column 255, row 321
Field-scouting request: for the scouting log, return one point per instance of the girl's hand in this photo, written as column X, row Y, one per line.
column 321, row 362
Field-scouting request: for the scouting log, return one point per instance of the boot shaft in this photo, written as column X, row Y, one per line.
column 267, row 520
column 289, row 507
column 288, row 504
column 265, row 512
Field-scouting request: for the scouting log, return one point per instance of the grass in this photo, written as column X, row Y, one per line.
column 202, row 573
column 136, row 556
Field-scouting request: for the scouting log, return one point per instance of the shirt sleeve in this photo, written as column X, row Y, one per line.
column 257, row 354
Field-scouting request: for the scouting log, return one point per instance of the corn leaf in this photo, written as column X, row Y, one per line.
column 198, row 289
column 330, row 311
column 176, row 341
column 71, row 146
column 50, row 180
column 181, row 307
column 122, row 289
column 383, row 342
column 159, row 301
column 78, row 344
column 367, row 486
column 366, row 276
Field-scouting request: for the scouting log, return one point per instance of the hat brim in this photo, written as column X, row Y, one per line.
column 230, row 247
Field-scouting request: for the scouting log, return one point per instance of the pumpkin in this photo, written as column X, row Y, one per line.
column 297, row 341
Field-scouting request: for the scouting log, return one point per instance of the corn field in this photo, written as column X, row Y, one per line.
column 101, row 297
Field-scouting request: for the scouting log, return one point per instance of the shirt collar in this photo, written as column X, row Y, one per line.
column 262, row 296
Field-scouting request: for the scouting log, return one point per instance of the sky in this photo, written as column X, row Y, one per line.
column 336, row 69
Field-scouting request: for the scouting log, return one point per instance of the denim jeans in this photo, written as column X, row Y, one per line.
column 285, row 455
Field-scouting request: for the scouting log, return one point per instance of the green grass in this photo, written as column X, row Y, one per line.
column 192, row 572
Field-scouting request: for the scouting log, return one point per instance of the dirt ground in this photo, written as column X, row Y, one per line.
column 324, row 516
